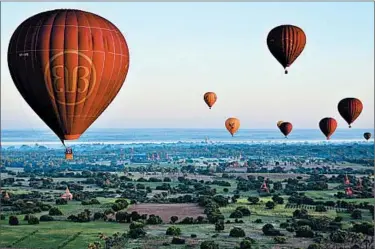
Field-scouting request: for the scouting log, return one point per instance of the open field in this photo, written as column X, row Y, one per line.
column 52, row 234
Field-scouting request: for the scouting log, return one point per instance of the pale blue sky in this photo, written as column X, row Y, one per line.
column 178, row 51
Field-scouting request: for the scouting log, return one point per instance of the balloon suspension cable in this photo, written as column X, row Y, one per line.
column 62, row 141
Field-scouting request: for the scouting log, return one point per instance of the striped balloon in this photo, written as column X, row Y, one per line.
column 328, row 126
column 350, row 109
column 286, row 43
column 68, row 65
column 210, row 98
column 286, row 128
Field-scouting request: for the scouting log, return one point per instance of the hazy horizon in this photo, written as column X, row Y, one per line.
column 178, row 128
column 178, row 51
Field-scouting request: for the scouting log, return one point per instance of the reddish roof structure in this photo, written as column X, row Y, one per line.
column 67, row 195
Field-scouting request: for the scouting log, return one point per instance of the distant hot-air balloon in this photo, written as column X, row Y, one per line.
column 279, row 123
column 232, row 125
column 286, row 43
column 328, row 126
column 68, row 65
column 350, row 109
column 210, row 98
column 367, row 135
column 285, row 128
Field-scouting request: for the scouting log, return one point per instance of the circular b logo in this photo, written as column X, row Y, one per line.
column 75, row 81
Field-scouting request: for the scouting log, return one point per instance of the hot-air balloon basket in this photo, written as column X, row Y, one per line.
column 69, row 154
column 286, row 71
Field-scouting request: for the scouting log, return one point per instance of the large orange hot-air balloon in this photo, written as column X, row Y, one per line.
column 279, row 123
column 286, row 43
column 350, row 109
column 285, row 128
column 68, row 65
column 232, row 125
column 328, row 126
column 367, row 135
column 210, row 98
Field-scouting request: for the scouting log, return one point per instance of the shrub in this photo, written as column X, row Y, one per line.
column 356, row 214
column 55, row 211
column 33, row 220
column 174, row 219
column 270, row 204
column 193, row 235
column 253, row 200
column 209, row 245
column 320, row 208
column 314, row 246
column 280, row 240
column 339, row 236
column 278, row 199
column 290, row 229
column 154, row 220
column 258, row 221
column 300, row 214
column 219, row 225
column 365, row 228
column 136, row 233
column 178, row 241
column 338, row 219
column 26, row 217
column 304, row 232
column 236, row 214
column 2, row 217
column 98, row 216
column 135, row 225
column 244, row 210
column 61, row 201
column 174, row 231
column 187, row 220
column 245, row 244
column 46, row 217
column 13, row 220
column 284, row 225
column 237, row 232
column 136, row 230
column 269, row 230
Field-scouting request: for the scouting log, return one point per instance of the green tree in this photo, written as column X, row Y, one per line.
column 270, row 204
column 209, row 245
column 174, row 231
column 237, row 232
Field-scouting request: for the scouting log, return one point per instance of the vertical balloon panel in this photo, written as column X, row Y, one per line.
column 78, row 62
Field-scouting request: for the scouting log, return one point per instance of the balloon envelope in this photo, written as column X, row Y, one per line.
column 279, row 123
column 232, row 125
column 210, row 98
column 68, row 65
column 328, row 126
column 286, row 128
column 367, row 135
column 350, row 109
column 286, row 43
